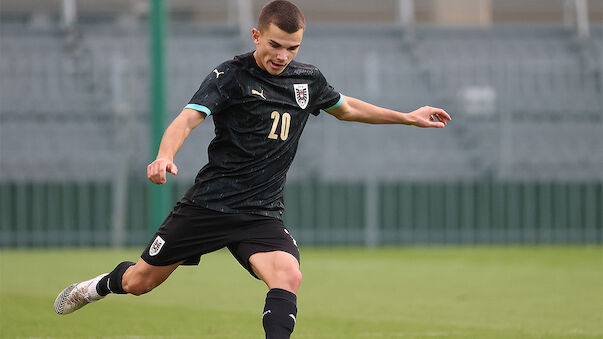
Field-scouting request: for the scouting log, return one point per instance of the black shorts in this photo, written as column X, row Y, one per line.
column 191, row 231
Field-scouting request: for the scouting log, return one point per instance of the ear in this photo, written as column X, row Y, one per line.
column 255, row 34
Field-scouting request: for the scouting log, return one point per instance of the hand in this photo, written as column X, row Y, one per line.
column 156, row 171
column 426, row 116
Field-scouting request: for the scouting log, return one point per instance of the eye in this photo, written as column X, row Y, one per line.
column 293, row 48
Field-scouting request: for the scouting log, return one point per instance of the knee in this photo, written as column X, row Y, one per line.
column 138, row 285
column 277, row 270
column 292, row 279
column 296, row 279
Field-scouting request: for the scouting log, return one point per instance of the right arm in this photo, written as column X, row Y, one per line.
column 172, row 140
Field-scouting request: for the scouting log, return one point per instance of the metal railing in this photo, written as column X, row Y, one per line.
column 367, row 213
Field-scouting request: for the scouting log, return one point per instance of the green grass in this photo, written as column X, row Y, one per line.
column 466, row 292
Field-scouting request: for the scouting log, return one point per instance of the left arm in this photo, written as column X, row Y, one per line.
column 352, row 109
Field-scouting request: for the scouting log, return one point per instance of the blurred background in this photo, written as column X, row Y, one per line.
column 521, row 162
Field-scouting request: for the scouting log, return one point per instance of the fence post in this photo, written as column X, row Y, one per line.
column 371, row 217
column 120, row 179
column 159, row 195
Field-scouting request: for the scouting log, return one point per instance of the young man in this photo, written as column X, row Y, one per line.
column 260, row 102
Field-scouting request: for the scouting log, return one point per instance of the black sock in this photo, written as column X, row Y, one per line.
column 279, row 314
column 111, row 283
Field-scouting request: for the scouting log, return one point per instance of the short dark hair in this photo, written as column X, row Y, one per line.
column 284, row 14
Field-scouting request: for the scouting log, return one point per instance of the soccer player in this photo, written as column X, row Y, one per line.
column 260, row 102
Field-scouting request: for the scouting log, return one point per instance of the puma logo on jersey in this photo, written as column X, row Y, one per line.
column 218, row 73
column 254, row 92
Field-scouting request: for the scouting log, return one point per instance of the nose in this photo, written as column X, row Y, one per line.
column 281, row 56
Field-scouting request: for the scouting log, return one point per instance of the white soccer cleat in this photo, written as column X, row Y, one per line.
column 77, row 295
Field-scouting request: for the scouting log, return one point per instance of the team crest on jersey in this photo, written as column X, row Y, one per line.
column 156, row 247
column 302, row 95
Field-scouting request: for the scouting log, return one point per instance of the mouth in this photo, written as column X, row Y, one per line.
column 274, row 65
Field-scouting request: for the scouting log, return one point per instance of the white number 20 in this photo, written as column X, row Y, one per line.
column 284, row 125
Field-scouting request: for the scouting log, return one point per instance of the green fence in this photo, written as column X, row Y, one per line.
column 325, row 213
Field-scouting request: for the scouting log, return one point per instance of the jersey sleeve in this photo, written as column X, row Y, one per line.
column 327, row 97
column 211, row 97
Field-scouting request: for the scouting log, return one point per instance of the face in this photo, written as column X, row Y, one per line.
column 275, row 48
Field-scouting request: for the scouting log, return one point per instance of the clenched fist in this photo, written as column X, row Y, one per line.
column 156, row 171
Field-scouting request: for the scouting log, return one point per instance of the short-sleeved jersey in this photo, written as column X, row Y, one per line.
column 258, row 120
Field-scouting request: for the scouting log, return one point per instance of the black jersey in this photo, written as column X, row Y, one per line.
column 258, row 120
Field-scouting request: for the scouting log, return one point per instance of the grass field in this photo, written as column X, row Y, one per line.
column 416, row 292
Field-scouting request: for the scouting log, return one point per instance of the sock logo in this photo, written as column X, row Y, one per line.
column 292, row 316
column 266, row 313
column 156, row 246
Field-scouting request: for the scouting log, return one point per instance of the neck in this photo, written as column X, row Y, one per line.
column 257, row 61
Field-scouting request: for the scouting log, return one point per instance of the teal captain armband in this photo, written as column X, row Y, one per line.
column 199, row 108
column 337, row 104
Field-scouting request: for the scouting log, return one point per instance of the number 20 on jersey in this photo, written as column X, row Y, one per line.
column 285, row 124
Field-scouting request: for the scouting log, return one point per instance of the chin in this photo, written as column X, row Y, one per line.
column 274, row 72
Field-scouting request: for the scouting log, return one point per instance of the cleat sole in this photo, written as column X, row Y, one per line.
column 59, row 303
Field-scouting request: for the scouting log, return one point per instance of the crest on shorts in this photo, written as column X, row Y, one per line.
column 156, row 246
column 302, row 95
